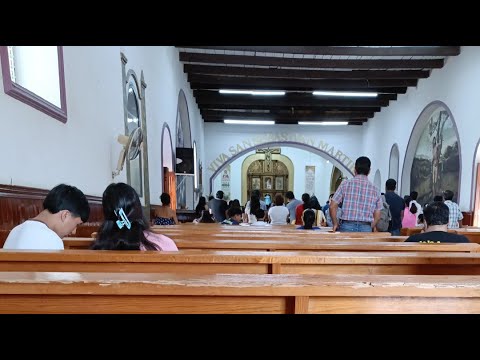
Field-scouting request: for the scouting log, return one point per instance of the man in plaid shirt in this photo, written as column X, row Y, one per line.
column 361, row 201
column 455, row 215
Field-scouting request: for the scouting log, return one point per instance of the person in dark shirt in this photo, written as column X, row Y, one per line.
column 436, row 223
column 218, row 206
column 396, row 206
column 234, row 216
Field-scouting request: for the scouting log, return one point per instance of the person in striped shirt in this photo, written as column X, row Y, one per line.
column 361, row 201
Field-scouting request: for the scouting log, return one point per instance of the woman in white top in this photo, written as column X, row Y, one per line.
column 277, row 215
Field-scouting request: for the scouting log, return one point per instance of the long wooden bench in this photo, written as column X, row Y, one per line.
column 245, row 262
column 280, row 237
column 105, row 293
column 472, row 234
column 290, row 245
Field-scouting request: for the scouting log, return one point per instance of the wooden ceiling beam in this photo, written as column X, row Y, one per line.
column 380, row 90
column 311, row 63
column 288, row 122
column 240, row 101
column 344, row 50
column 280, row 118
column 316, row 84
column 320, row 107
column 287, row 114
column 304, row 74
column 293, row 98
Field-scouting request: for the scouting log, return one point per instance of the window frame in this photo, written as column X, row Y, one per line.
column 30, row 98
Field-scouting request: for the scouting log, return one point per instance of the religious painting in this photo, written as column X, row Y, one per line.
column 436, row 164
column 267, row 182
column 256, row 183
column 279, row 183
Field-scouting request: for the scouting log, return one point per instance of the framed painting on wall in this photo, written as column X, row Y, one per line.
column 256, row 183
column 279, row 183
column 267, row 182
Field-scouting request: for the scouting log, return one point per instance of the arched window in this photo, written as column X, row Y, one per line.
column 394, row 162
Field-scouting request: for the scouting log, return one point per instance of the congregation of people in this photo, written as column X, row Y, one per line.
column 356, row 206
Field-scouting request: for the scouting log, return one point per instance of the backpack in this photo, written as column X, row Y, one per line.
column 385, row 216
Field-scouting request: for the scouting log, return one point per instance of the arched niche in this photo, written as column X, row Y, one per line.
column 345, row 170
column 394, row 163
column 135, row 117
column 168, row 167
column 286, row 185
column 336, row 179
column 377, row 180
column 432, row 161
column 183, row 139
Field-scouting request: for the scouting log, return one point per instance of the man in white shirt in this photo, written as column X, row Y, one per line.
column 65, row 207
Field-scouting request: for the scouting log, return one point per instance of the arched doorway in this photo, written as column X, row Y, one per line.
column 168, row 168
column 336, row 180
column 310, row 172
column 267, row 171
column 184, row 182
column 346, row 171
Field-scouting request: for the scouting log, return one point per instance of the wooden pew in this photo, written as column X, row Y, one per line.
column 472, row 234
column 275, row 229
column 105, row 293
column 291, row 245
column 280, row 237
column 245, row 262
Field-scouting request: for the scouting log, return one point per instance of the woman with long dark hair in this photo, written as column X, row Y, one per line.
column 125, row 227
column 202, row 205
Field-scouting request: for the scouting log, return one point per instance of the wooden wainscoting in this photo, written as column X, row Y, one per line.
column 19, row 203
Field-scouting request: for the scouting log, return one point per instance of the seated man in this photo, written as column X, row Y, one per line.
column 65, row 207
column 436, row 222
column 234, row 216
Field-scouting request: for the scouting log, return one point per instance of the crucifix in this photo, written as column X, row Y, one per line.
column 268, row 164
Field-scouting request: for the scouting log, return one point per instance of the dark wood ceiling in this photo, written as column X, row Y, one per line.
column 299, row 70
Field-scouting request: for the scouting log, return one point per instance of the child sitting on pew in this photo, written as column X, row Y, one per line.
column 125, row 227
column 260, row 218
column 308, row 218
column 234, row 216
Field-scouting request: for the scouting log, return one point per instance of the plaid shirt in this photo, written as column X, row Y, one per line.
column 360, row 199
column 454, row 214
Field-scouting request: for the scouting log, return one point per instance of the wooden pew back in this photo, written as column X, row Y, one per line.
column 245, row 262
column 105, row 293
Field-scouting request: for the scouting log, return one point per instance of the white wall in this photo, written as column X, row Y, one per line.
column 456, row 84
column 43, row 152
column 228, row 140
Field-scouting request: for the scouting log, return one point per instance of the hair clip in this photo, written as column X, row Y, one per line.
column 123, row 219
